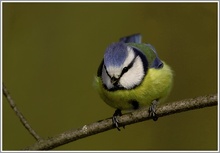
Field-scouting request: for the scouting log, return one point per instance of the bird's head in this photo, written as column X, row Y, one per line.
column 122, row 68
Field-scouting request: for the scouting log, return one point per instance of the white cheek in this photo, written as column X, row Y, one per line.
column 134, row 75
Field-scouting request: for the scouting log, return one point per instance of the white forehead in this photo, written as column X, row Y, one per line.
column 116, row 70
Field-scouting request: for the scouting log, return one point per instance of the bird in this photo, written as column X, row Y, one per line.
column 131, row 76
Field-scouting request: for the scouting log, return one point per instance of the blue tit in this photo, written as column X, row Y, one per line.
column 131, row 75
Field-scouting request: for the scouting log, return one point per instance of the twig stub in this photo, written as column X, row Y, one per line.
column 19, row 114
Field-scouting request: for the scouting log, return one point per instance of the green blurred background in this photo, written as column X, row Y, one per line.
column 51, row 52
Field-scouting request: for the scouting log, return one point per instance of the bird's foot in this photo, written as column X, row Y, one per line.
column 152, row 110
column 115, row 119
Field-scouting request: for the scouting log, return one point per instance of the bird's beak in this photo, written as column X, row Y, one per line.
column 114, row 80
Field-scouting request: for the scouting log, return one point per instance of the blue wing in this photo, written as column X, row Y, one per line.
column 135, row 38
column 157, row 63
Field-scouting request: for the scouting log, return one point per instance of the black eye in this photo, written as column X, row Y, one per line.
column 125, row 69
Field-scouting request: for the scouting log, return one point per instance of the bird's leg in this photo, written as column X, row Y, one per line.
column 115, row 120
column 152, row 110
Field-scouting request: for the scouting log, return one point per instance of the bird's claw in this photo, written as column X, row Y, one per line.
column 115, row 122
column 115, row 119
column 152, row 110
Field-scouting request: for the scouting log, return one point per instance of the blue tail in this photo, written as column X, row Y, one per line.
column 135, row 38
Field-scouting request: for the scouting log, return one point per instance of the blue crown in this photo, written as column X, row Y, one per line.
column 115, row 54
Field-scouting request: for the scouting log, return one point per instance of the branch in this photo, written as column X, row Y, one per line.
column 19, row 114
column 126, row 119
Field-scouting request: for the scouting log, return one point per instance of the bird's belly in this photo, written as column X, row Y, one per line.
column 132, row 99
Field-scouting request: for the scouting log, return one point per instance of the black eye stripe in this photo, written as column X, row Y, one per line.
column 106, row 71
column 125, row 69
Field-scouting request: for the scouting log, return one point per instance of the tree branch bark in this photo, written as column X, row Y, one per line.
column 126, row 119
